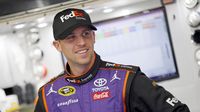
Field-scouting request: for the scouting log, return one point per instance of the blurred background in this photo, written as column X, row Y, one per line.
column 160, row 36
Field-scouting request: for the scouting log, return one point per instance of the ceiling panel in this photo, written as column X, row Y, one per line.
column 14, row 6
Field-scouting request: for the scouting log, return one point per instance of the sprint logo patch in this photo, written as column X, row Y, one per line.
column 67, row 91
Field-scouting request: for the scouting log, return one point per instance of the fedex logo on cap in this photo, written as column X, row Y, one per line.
column 71, row 15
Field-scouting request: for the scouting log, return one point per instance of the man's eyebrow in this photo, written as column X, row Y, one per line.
column 71, row 33
column 86, row 29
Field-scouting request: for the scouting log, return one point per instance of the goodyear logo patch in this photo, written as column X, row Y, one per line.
column 67, row 91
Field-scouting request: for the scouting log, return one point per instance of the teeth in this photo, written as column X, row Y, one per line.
column 83, row 51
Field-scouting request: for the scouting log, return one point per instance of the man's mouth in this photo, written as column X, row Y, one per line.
column 82, row 51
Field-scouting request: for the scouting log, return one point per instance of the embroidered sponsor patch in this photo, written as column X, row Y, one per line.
column 50, row 91
column 67, row 91
column 172, row 101
column 100, row 89
column 67, row 103
column 77, row 14
column 101, row 95
column 100, row 82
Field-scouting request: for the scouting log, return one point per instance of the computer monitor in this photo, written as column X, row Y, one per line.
column 141, row 39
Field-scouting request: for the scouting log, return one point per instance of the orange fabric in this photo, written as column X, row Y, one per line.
column 44, row 100
column 35, row 100
column 113, row 69
column 124, row 90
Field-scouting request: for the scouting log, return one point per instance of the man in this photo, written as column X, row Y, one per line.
column 89, row 84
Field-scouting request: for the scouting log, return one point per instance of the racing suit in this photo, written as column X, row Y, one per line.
column 106, row 87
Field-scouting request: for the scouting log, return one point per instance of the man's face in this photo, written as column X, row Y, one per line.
column 78, row 47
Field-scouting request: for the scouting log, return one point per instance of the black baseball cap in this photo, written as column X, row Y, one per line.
column 67, row 20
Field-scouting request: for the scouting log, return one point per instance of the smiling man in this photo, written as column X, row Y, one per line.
column 89, row 84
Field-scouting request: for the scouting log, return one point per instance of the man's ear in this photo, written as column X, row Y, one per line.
column 56, row 44
column 94, row 37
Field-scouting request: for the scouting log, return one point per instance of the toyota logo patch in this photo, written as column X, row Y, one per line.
column 100, row 82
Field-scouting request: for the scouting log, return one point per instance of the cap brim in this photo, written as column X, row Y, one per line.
column 68, row 31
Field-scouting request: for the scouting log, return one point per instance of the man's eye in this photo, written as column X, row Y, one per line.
column 69, row 37
column 86, row 33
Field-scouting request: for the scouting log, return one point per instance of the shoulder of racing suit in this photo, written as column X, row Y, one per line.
column 147, row 96
column 130, row 68
column 53, row 79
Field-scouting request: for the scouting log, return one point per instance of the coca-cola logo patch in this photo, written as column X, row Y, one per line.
column 101, row 95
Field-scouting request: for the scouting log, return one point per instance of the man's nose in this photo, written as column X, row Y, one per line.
column 80, row 40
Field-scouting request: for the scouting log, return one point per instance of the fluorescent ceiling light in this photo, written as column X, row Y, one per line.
column 40, row 19
column 42, row 25
column 33, row 30
column 108, row 10
column 125, row 12
column 89, row 11
column 19, row 26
